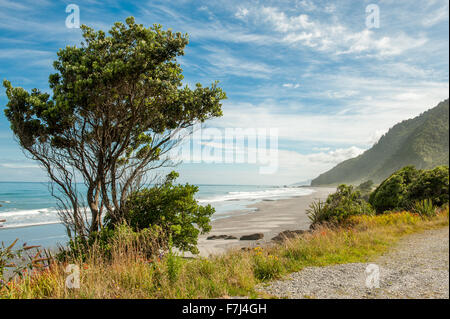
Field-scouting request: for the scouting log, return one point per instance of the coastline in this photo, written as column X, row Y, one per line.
column 269, row 218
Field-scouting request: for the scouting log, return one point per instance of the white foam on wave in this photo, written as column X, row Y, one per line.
column 30, row 217
column 30, row 224
column 29, row 212
column 276, row 193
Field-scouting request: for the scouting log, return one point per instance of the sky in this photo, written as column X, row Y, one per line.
column 326, row 81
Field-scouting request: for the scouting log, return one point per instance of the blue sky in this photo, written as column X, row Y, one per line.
column 312, row 69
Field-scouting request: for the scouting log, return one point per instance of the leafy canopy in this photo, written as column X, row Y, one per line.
column 118, row 102
column 409, row 185
column 173, row 209
column 345, row 202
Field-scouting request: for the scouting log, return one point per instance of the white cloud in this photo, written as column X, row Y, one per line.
column 379, row 105
column 291, row 85
column 335, row 156
column 341, row 94
column 12, row 5
column 332, row 36
column 330, row 8
column 307, row 5
column 439, row 15
column 283, row 23
column 292, row 166
column 295, row 166
column 241, row 13
column 224, row 62
column 376, row 136
column 364, row 41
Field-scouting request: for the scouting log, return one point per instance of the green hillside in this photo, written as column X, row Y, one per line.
column 422, row 141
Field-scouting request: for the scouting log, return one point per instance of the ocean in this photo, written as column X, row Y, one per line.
column 31, row 216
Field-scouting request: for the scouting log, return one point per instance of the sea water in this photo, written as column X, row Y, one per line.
column 31, row 214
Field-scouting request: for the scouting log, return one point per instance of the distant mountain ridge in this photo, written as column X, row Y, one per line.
column 422, row 141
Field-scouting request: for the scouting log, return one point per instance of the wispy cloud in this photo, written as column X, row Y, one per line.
column 310, row 68
column 438, row 15
column 223, row 62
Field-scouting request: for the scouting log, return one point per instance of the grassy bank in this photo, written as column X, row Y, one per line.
column 127, row 275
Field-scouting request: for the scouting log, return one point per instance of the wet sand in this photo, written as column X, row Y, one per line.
column 270, row 218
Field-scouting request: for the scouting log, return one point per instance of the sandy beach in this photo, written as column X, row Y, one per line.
column 269, row 218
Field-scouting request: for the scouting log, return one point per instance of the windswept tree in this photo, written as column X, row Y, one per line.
column 117, row 107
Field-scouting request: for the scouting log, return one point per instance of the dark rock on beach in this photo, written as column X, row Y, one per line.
column 253, row 236
column 227, row 237
column 289, row 234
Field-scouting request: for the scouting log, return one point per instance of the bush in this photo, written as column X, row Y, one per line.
column 267, row 267
column 343, row 203
column 408, row 185
column 431, row 184
column 424, row 208
column 317, row 212
column 109, row 240
column 393, row 192
column 173, row 209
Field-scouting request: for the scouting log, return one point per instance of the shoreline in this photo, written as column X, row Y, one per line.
column 270, row 217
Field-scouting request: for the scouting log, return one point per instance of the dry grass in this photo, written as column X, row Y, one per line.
column 129, row 275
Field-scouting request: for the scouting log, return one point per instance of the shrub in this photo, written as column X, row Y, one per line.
column 392, row 193
column 173, row 209
column 173, row 266
column 316, row 212
column 343, row 203
column 408, row 185
column 425, row 208
column 267, row 267
column 108, row 241
column 431, row 184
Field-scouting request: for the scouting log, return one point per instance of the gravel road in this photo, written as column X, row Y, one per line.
column 418, row 267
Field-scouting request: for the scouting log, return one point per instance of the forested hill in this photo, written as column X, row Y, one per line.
column 422, row 141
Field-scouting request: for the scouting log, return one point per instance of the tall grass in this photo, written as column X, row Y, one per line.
column 425, row 208
column 127, row 274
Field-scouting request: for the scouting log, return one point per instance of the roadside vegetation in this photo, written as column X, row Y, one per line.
column 409, row 189
column 143, row 256
column 128, row 272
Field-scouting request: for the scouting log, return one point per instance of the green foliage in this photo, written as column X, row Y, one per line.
column 133, row 65
column 317, row 212
column 174, row 209
column 340, row 205
column 425, row 208
column 393, row 192
column 408, row 185
column 147, row 242
column 431, row 184
column 267, row 267
column 422, row 141
column 173, row 263
column 117, row 101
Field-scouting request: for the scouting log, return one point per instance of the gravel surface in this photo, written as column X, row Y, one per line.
column 418, row 267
